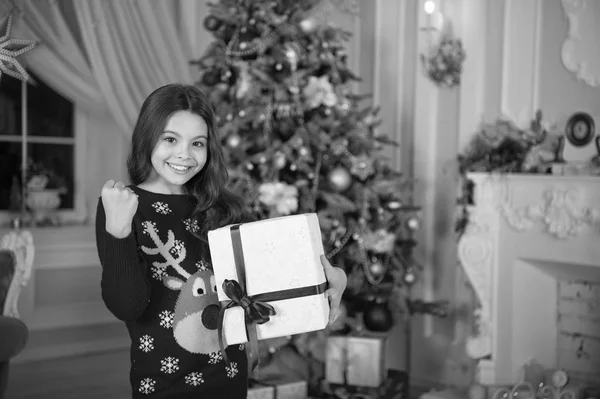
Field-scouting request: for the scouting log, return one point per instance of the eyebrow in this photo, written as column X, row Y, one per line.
column 177, row 134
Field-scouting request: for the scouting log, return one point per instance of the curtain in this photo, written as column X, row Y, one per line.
column 108, row 53
column 57, row 59
column 133, row 48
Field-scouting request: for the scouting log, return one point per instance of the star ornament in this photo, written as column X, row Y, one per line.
column 10, row 49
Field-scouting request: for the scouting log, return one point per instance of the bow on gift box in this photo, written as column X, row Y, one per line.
column 258, row 312
column 255, row 312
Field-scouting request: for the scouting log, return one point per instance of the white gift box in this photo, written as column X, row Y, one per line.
column 261, row 392
column 279, row 254
column 360, row 358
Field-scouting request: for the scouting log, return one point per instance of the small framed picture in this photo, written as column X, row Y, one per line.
column 580, row 129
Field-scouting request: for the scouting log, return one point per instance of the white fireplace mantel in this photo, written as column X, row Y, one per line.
column 525, row 233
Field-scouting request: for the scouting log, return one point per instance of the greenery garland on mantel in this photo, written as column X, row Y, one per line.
column 502, row 147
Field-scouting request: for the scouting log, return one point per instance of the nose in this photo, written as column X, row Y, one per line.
column 210, row 317
column 183, row 151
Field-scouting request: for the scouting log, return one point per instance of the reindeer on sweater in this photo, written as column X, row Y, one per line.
column 197, row 307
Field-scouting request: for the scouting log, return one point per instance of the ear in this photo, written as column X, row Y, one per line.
column 172, row 283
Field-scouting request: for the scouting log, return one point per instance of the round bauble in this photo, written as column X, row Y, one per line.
column 413, row 223
column 378, row 317
column 409, row 277
column 308, row 25
column 377, row 269
column 225, row 32
column 212, row 23
column 211, row 77
column 339, row 179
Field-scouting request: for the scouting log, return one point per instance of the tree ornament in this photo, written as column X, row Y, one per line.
column 409, row 276
column 413, row 223
column 344, row 105
column 377, row 316
column 362, row 166
column 339, row 179
column 10, row 49
column 394, row 205
column 308, row 25
column 248, row 33
column 292, row 53
column 234, row 140
column 225, row 32
column 281, row 69
column 212, row 23
column 279, row 160
column 211, row 77
column 339, row 146
column 377, row 269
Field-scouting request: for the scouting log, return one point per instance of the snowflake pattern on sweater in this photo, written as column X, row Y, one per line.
column 175, row 346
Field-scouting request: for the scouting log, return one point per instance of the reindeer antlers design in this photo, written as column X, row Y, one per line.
column 163, row 249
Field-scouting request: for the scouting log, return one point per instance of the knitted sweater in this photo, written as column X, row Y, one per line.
column 158, row 281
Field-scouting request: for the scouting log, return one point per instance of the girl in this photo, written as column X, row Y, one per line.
column 152, row 244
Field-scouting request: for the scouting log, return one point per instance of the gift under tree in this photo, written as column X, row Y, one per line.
column 298, row 140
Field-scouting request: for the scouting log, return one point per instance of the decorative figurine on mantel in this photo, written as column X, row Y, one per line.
column 579, row 148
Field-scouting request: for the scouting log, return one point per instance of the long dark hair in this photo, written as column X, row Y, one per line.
column 216, row 205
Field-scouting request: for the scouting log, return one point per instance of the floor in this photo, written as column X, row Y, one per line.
column 98, row 376
column 91, row 377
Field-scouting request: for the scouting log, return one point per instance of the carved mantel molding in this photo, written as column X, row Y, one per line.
column 559, row 208
column 561, row 212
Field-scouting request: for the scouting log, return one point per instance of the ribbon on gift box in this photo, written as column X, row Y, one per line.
column 256, row 309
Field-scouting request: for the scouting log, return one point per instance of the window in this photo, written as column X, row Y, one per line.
column 51, row 142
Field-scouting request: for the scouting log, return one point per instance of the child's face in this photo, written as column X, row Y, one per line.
column 180, row 152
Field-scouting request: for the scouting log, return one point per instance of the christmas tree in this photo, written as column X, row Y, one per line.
column 297, row 140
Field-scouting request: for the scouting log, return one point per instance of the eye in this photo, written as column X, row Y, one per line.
column 199, row 288
column 199, row 144
column 170, row 139
column 213, row 283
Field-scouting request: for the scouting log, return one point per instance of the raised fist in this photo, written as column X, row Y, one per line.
column 120, row 204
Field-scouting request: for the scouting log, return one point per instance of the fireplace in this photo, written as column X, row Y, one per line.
column 531, row 251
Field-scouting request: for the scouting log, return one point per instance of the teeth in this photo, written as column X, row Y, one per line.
column 178, row 167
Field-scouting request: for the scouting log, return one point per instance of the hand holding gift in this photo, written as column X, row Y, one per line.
column 336, row 278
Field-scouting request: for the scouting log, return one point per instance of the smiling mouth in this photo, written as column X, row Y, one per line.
column 179, row 168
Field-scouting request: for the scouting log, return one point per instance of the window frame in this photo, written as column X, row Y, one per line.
column 77, row 214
